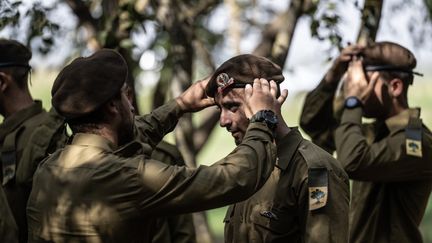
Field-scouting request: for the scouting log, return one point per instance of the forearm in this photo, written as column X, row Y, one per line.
column 232, row 179
column 151, row 128
column 317, row 117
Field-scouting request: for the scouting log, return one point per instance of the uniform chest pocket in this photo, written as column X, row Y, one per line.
column 267, row 218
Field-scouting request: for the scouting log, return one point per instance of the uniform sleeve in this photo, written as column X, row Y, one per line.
column 152, row 128
column 179, row 189
column 317, row 118
column 382, row 161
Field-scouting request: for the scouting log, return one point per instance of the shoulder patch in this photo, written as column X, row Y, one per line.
column 413, row 140
column 318, row 187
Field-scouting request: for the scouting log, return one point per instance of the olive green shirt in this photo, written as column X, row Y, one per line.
column 280, row 212
column 390, row 188
column 26, row 138
column 93, row 192
column 173, row 228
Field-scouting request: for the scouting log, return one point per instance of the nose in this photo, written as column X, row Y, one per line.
column 225, row 119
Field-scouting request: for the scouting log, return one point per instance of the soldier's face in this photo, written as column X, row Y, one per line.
column 232, row 115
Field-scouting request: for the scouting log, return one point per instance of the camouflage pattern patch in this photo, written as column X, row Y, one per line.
column 413, row 147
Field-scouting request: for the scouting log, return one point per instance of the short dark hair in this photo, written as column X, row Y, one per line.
column 91, row 122
column 407, row 78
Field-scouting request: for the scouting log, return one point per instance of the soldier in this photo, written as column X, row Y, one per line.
column 102, row 187
column 27, row 134
column 306, row 198
column 389, row 159
column 173, row 228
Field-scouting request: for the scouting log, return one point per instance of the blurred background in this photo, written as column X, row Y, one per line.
column 168, row 44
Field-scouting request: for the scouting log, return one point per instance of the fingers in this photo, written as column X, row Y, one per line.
column 283, row 96
column 373, row 80
column 248, row 91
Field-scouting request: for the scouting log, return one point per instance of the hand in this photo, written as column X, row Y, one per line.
column 356, row 83
column 262, row 96
column 340, row 65
column 195, row 98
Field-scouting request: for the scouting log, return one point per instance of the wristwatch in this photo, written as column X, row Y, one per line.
column 352, row 102
column 266, row 116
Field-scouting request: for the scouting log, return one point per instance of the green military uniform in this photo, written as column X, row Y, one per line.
column 392, row 181
column 8, row 228
column 93, row 192
column 176, row 228
column 26, row 137
column 285, row 208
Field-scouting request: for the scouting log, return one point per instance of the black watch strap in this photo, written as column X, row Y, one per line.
column 266, row 116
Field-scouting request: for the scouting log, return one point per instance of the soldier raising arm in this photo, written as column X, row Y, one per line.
column 102, row 187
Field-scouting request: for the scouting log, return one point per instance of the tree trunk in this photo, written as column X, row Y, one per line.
column 371, row 16
column 277, row 36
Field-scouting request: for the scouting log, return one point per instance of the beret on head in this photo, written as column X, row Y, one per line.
column 388, row 56
column 241, row 70
column 13, row 53
column 88, row 82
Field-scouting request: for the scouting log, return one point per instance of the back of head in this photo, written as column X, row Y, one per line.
column 14, row 58
column 87, row 83
column 241, row 70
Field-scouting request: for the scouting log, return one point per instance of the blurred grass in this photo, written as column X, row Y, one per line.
column 221, row 143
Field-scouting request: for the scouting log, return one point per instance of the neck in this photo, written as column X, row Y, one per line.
column 16, row 102
column 108, row 133
column 397, row 107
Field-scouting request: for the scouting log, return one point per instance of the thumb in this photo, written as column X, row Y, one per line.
column 284, row 94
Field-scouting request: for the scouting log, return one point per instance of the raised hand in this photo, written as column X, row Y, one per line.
column 340, row 65
column 194, row 98
column 357, row 84
column 262, row 96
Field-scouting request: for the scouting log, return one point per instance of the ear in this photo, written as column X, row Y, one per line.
column 396, row 87
column 4, row 81
column 111, row 107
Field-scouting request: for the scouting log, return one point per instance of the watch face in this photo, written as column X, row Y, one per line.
column 270, row 116
column 352, row 102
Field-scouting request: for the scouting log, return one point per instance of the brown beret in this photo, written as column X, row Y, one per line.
column 88, row 82
column 13, row 53
column 241, row 70
column 388, row 56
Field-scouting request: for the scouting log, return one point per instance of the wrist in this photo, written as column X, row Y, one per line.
column 352, row 102
column 181, row 105
column 268, row 117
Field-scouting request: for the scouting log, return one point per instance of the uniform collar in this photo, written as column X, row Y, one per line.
column 287, row 147
column 400, row 121
column 16, row 119
column 93, row 140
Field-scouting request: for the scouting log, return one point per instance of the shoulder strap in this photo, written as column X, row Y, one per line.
column 413, row 137
column 317, row 177
column 8, row 156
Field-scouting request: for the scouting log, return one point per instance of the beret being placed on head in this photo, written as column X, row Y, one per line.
column 88, row 82
column 241, row 70
column 13, row 53
column 388, row 55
